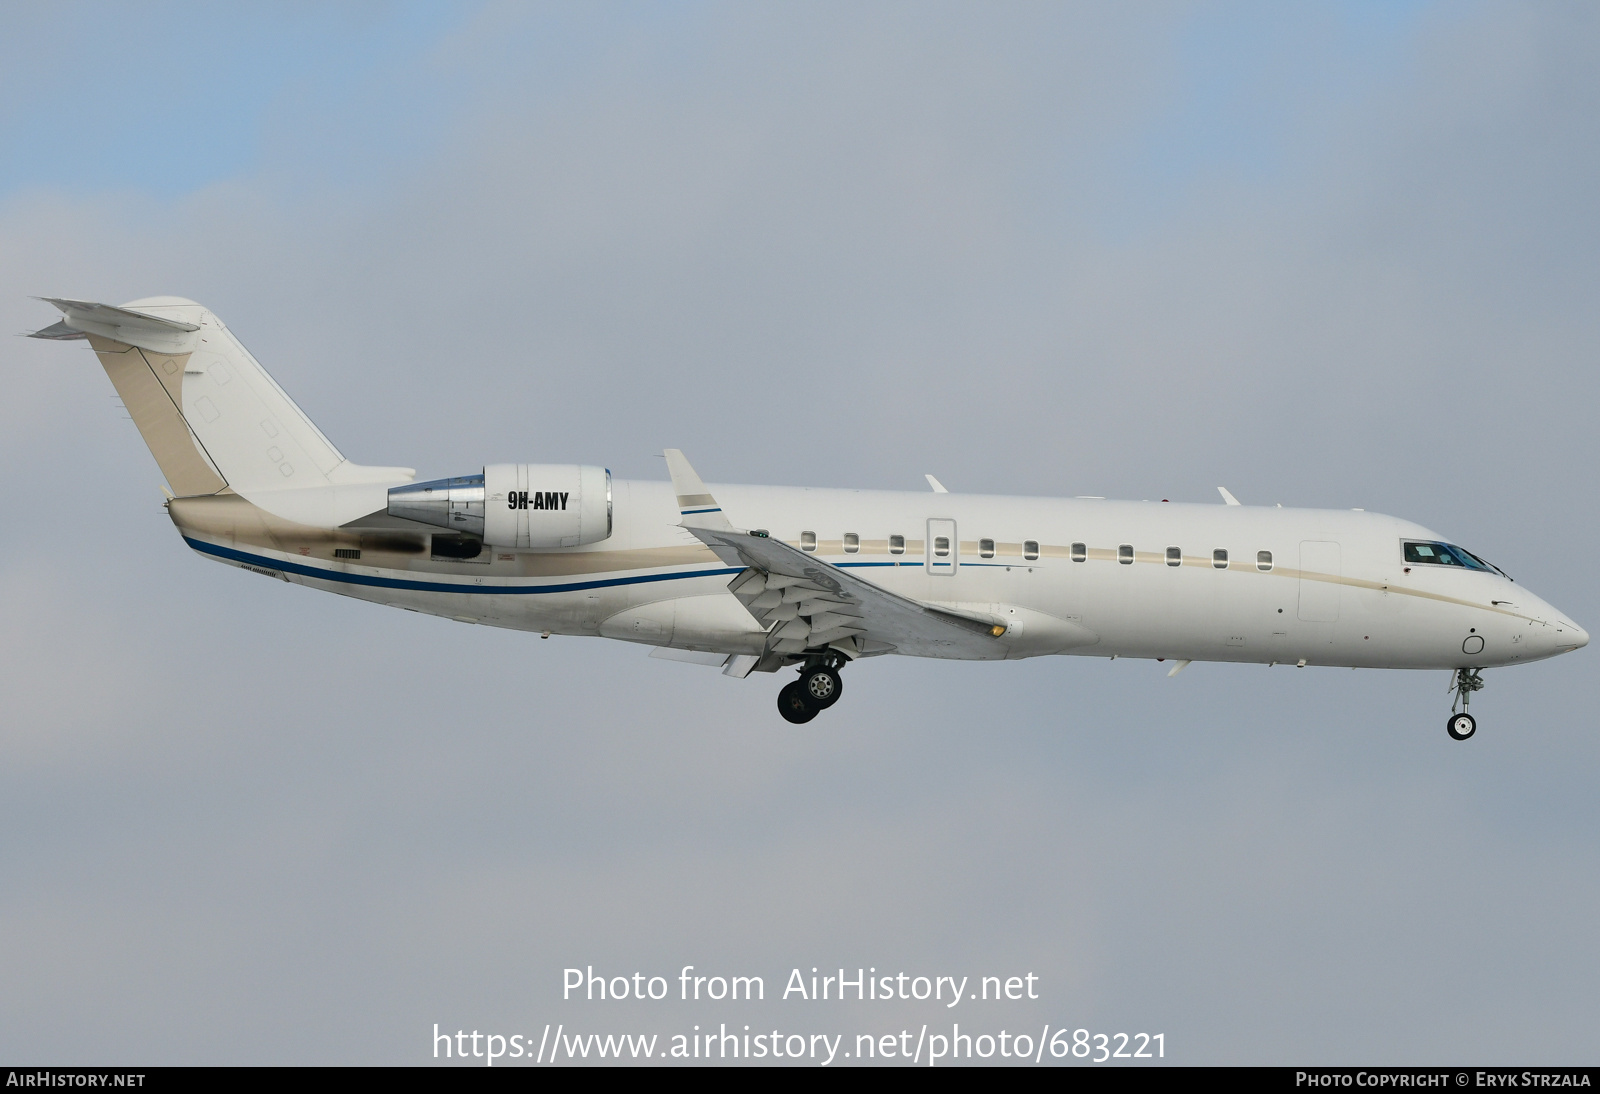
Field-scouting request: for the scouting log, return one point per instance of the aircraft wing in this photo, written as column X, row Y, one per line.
column 807, row 603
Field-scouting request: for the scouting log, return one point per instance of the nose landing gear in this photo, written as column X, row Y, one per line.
column 818, row 688
column 1462, row 725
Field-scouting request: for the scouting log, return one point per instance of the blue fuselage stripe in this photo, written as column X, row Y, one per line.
column 374, row 581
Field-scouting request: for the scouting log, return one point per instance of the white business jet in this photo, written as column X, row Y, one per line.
column 756, row 578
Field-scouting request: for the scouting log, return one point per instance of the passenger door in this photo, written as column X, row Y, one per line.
column 943, row 548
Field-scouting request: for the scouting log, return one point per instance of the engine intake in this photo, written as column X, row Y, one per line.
column 527, row 505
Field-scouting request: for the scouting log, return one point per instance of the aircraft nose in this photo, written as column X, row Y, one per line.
column 1558, row 634
column 1567, row 635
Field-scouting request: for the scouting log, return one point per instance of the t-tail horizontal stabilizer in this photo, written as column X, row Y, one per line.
column 59, row 332
column 132, row 328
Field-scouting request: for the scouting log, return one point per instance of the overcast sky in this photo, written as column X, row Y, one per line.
column 1336, row 255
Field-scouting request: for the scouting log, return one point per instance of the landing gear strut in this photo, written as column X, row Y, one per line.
column 818, row 688
column 1463, row 725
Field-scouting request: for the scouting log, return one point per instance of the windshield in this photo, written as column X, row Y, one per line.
column 1444, row 554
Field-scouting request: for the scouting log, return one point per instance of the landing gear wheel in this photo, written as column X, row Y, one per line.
column 794, row 704
column 822, row 686
column 1463, row 682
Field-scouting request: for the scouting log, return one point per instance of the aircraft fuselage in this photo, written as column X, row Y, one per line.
column 1073, row 576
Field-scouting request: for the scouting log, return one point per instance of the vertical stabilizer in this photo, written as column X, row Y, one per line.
column 150, row 385
column 211, row 415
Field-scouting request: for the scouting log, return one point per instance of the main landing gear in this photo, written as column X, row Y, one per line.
column 1461, row 724
column 818, row 688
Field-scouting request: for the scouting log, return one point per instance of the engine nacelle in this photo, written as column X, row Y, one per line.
column 545, row 504
column 527, row 505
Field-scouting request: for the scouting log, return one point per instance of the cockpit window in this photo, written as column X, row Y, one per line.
column 1489, row 564
column 1444, row 554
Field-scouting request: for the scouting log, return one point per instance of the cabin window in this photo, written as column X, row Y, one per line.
column 1125, row 554
column 1030, row 549
column 1219, row 558
column 1080, row 552
column 986, row 548
column 852, row 543
column 941, row 546
column 1174, row 556
column 808, row 541
column 897, row 545
column 1263, row 561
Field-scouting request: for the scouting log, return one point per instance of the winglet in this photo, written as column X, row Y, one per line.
column 938, row 487
column 1227, row 498
column 695, row 503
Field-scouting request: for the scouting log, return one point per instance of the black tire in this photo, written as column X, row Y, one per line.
column 822, row 687
column 1461, row 726
column 793, row 704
